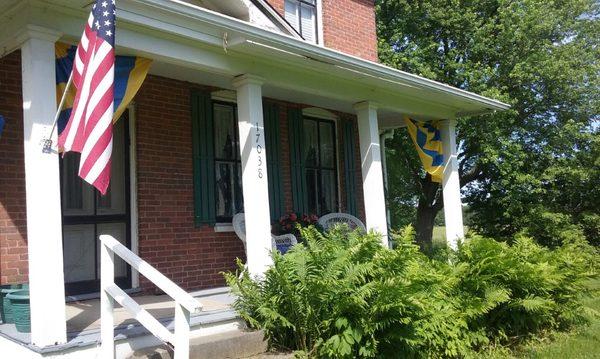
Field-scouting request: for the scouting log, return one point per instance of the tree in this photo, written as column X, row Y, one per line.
column 521, row 168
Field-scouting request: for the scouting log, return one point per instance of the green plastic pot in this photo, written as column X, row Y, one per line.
column 5, row 309
column 19, row 303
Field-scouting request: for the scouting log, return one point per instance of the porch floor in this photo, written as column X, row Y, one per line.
column 83, row 316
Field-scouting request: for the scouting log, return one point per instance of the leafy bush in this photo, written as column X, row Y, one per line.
column 342, row 295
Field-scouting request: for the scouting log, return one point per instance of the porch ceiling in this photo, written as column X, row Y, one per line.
column 195, row 44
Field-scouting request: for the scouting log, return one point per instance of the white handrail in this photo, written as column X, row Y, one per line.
column 110, row 292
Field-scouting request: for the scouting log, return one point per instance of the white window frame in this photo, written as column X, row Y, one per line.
column 318, row 19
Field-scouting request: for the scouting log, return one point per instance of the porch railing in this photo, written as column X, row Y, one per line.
column 185, row 304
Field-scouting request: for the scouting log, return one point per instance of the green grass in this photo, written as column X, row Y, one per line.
column 581, row 343
column 439, row 236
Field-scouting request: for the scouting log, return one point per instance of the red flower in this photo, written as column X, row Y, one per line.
column 293, row 217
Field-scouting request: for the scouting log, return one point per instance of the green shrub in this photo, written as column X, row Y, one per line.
column 342, row 295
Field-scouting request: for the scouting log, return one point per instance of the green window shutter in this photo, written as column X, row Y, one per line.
column 273, row 143
column 204, row 161
column 296, row 133
column 349, row 166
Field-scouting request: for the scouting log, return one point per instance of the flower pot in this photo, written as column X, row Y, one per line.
column 19, row 303
column 5, row 309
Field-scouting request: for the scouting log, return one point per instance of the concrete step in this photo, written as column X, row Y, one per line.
column 228, row 345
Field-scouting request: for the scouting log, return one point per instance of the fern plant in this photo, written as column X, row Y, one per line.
column 342, row 295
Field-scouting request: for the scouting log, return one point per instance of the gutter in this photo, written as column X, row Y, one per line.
column 303, row 48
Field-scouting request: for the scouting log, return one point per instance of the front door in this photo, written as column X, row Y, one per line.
column 86, row 215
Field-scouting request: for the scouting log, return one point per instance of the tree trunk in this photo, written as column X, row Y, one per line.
column 430, row 203
column 425, row 221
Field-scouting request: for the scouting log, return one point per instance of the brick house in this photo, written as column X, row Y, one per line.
column 304, row 72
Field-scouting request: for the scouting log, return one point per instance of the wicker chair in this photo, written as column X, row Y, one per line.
column 282, row 243
column 331, row 220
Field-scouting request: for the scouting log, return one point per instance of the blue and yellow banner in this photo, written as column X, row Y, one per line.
column 130, row 73
column 428, row 141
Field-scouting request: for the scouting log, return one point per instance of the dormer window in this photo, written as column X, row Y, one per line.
column 302, row 15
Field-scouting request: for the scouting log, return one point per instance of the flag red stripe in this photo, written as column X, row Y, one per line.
column 89, row 129
column 96, row 151
column 82, row 53
column 103, row 104
column 63, row 137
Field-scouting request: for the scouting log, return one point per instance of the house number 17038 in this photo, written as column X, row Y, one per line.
column 259, row 151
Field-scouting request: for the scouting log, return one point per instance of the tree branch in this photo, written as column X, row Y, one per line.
column 473, row 174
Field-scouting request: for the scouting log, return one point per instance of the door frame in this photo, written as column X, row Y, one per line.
column 132, row 279
column 133, row 194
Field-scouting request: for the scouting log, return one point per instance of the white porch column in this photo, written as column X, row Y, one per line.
column 44, row 230
column 254, row 173
column 451, row 185
column 372, row 172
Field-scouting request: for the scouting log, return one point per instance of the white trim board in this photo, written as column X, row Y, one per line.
column 133, row 195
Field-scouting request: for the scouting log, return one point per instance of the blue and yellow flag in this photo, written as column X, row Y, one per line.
column 130, row 73
column 428, row 141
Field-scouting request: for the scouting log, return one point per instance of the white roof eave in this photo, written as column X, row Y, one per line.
column 315, row 52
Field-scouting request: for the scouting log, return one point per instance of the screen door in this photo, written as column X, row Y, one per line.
column 86, row 215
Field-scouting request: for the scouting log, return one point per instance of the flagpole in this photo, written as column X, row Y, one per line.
column 48, row 142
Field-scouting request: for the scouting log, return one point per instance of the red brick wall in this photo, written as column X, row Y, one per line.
column 192, row 257
column 348, row 26
column 168, row 239
column 13, row 222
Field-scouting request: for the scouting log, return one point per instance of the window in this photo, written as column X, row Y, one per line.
column 319, row 152
column 302, row 15
column 228, row 165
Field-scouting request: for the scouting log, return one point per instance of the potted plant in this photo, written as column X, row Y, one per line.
column 291, row 223
column 21, row 312
column 5, row 308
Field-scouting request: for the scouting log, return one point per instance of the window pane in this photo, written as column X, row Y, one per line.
column 225, row 148
column 328, row 198
column 80, row 251
column 225, row 193
column 291, row 13
column 77, row 196
column 311, row 143
column 327, row 144
column 312, row 191
column 114, row 200
column 308, row 22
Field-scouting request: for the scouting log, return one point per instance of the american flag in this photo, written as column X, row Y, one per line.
column 89, row 129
